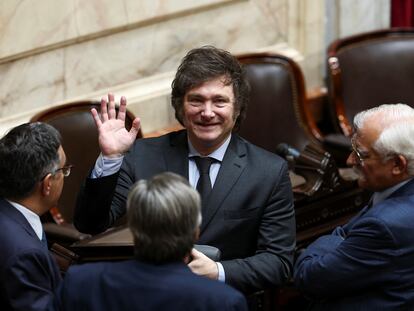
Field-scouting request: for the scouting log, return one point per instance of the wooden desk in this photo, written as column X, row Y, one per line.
column 113, row 244
column 314, row 217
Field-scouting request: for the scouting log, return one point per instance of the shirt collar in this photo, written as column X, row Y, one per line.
column 32, row 218
column 378, row 197
column 217, row 154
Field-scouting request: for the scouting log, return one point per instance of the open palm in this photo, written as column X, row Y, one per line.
column 114, row 138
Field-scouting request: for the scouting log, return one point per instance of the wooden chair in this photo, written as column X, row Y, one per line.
column 368, row 70
column 277, row 111
column 80, row 142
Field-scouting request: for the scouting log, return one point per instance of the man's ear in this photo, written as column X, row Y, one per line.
column 400, row 165
column 46, row 185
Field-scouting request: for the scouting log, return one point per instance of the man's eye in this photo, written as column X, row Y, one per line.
column 195, row 102
column 221, row 102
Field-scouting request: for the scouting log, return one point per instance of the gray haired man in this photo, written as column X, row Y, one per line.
column 164, row 218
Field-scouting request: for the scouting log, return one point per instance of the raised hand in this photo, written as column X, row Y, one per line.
column 114, row 139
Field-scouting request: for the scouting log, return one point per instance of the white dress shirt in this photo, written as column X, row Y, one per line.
column 32, row 218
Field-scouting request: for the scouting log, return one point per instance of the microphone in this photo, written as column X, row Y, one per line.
column 306, row 159
column 284, row 150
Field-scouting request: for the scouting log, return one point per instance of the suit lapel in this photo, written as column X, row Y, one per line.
column 176, row 157
column 233, row 164
column 12, row 213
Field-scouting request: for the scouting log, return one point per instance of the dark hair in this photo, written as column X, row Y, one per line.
column 163, row 216
column 204, row 64
column 27, row 153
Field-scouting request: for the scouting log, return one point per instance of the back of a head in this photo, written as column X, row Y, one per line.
column 163, row 216
column 205, row 64
column 27, row 153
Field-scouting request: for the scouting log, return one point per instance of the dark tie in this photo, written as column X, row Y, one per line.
column 204, row 182
column 44, row 240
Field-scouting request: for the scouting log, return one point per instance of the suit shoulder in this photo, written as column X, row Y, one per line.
column 254, row 149
column 395, row 211
column 218, row 294
column 203, row 284
column 16, row 241
column 261, row 160
column 86, row 269
column 147, row 146
column 160, row 140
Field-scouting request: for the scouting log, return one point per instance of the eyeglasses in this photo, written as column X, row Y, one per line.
column 65, row 170
column 360, row 155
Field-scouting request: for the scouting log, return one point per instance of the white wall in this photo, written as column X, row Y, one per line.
column 58, row 51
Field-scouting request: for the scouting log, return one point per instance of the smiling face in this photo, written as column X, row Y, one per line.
column 209, row 114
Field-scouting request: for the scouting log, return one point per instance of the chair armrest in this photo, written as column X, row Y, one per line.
column 63, row 256
column 210, row 251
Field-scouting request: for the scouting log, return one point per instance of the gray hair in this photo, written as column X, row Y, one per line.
column 163, row 216
column 397, row 134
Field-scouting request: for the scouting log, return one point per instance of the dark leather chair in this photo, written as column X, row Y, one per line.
column 276, row 114
column 368, row 70
column 80, row 142
column 277, row 111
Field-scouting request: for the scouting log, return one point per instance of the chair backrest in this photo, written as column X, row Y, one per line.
column 80, row 141
column 277, row 112
column 368, row 70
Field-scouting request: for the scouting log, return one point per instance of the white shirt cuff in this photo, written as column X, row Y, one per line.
column 106, row 166
column 221, row 274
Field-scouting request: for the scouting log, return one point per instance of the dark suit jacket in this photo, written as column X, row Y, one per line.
column 369, row 263
column 249, row 215
column 133, row 285
column 28, row 274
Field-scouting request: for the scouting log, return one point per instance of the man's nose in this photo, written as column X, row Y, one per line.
column 351, row 160
column 207, row 111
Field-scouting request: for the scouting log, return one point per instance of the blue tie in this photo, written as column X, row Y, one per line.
column 44, row 240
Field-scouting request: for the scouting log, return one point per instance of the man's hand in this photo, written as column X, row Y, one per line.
column 202, row 265
column 114, row 139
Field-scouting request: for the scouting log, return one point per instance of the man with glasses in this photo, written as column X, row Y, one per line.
column 367, row 264
column 32, row 171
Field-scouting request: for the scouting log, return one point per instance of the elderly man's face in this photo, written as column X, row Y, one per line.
column 374, row 173
column 209, row 114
